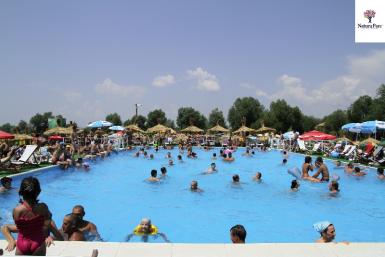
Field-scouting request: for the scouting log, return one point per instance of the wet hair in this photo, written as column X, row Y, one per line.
column 236, row 178
column 5, row 180
column 258, row 175
column 284, row 161
column 239, row 231
column 307, row 159
column 163, row 170
column 380, row 171
column 319, row 159
column 230, row 155
column 30, row 188
column 357, row 169
column 154, row 173
column 335, row 185
column 80, row 207
column 350, row 165
column 179, row 157
column 214, row 154
column 294, row 184
column 284, row 152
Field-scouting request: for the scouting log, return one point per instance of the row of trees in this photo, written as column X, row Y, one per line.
column 280, row 116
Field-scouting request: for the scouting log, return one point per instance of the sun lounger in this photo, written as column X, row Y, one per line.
column 350, row 155
column 28, row 156
column 301, row 145
column 346, row 149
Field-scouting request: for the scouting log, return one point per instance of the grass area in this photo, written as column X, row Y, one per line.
column 4, row 173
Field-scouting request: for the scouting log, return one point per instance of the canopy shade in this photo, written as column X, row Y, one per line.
column 192, row 129
column 218, row 129
column 5, row 135
column 244, row 129
column 60, row 131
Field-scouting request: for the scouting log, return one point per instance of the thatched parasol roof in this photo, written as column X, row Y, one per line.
column 192, row 129
column 218, row 129
column 264, row 129
column 134, row 128
column 159, row 129
column 369, row 140
column 244, row 129
column 23, row 137
column 59, row 130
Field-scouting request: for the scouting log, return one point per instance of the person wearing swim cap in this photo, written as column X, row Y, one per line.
column 146, row 229
column 326, row 230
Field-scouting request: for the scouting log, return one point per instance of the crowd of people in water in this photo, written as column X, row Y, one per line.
column 36, row 229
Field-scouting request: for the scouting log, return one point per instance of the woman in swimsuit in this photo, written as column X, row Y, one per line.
column 306, row 167
column 30, row 217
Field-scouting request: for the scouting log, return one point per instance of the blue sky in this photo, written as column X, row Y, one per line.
column 85, row 59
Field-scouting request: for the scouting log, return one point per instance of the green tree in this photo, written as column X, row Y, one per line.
column 188, row 115
column 216, row 117
column 140, row 121
column 154, row 117
column 22, row 126
column 360, row 110
column 7, row 127
column 114, row 118
column 309, row 122
column 335, row 120
column 247, row 107
column 170, row 123
column 377, row 110
column 281, row 116
column 39, row 122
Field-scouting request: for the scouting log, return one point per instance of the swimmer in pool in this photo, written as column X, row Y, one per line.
column 146, row 229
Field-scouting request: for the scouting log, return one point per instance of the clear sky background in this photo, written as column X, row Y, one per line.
column 85, row 59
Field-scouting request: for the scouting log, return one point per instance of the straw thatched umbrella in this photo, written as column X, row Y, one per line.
column 180, row 137
column 22, row 137
column 134, row 128
column 192, row 129
column 159, row 129
column 60, row 131
column 263, row 130
column 343, row 139
column 244, row 129
column 218, row 129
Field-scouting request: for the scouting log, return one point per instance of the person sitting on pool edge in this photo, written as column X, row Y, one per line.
column 238, row 234
column 6, row 184
column 322, row 169
column 88, row 228
column 146, row 229
column 194, row 187
column 153, row 177
column 326, row 230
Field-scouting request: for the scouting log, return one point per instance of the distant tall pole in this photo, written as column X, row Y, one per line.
column 136, row 111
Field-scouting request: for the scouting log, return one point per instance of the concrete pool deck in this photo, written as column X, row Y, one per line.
column 114, row 249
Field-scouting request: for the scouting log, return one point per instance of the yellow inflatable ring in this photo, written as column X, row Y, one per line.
column 137, row 232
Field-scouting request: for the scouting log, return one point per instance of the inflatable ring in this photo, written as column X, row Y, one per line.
column 154, row 231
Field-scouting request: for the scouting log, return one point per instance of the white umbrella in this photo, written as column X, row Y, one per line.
column 117, row 128
column 99, row 124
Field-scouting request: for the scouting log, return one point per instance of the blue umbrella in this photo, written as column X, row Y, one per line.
column 288, row 135
column 373, row 125
column 99, row 124
column 117, row 128
column 348, row 126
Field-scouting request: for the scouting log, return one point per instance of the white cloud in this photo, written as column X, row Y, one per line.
column 111, row 88
column 205, row 80
column 246, row 85
column 163, row 81
column 364, row 75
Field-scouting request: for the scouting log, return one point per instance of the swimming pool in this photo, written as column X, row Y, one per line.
column 116, row 197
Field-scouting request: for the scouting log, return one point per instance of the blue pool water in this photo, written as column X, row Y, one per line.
column 116, row 197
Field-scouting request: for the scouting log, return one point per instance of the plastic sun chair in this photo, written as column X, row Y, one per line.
column 26, row 156
column 301, row 145
column 346, row 149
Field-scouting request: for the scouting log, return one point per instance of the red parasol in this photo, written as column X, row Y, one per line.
column 316, row 135
column 56, row 137
column 5, row 135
